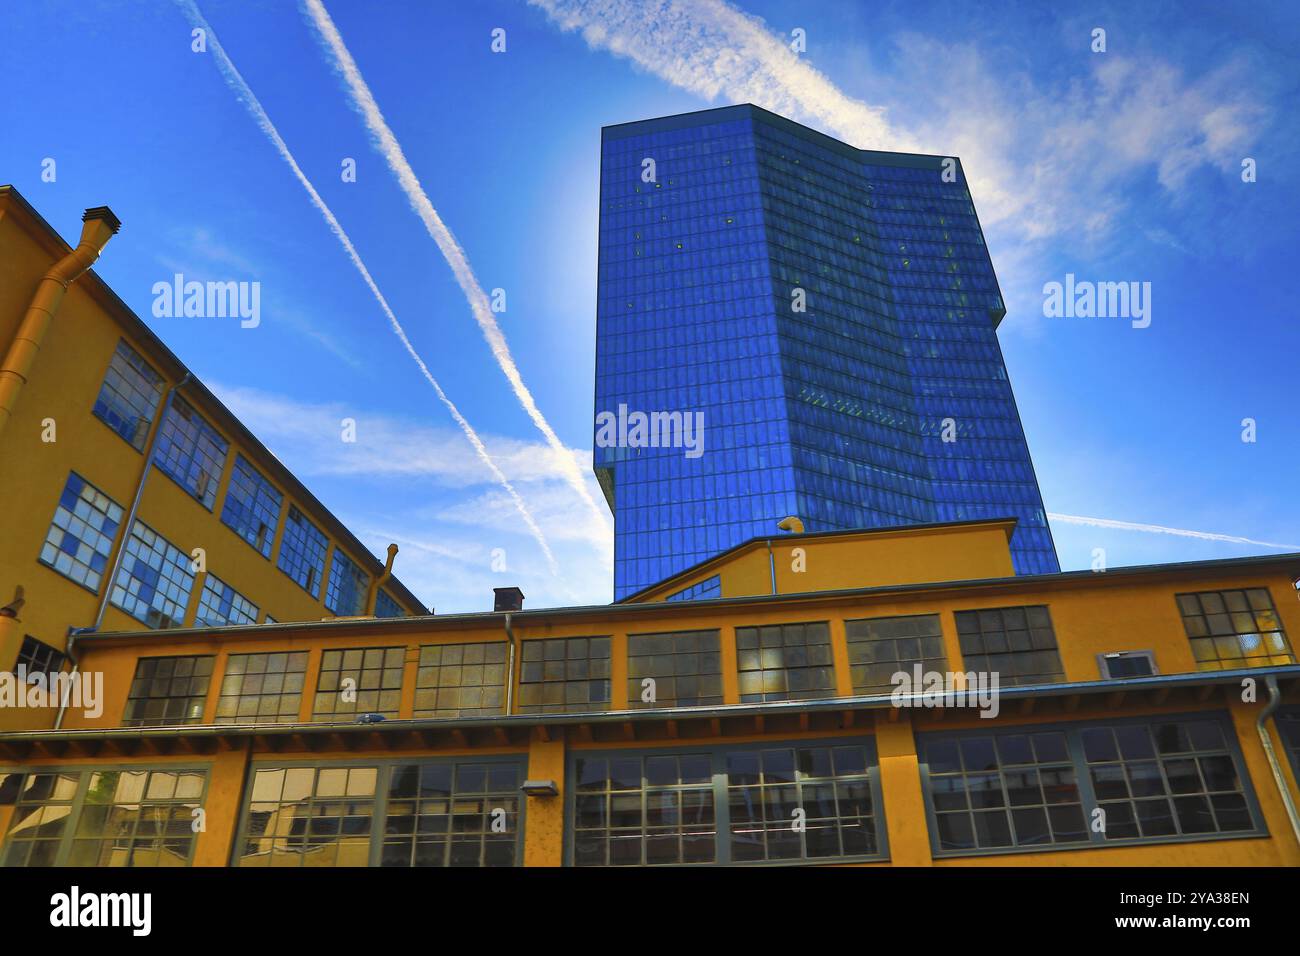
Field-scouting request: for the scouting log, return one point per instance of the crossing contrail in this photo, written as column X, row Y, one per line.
column 386, row 143
column 1160, row 529
column 236, row 82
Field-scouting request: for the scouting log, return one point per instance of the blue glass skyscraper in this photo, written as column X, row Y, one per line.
column 831, row 312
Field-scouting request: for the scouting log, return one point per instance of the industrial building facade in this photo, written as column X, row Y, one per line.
column 144, row 502
column 1142, row 717
column 829, row 317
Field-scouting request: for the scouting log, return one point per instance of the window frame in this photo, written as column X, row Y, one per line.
column 1104, row 659
column 158, row 404
column 721, row 802
column 379, row 818
column 84, row 773
column 46, row 650
column 1087, row 795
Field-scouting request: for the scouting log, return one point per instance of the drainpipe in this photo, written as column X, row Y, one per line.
column 510, row 667
column 100, row 226
column 372, row 598
column 771, row 564
column 127, row 524
column 1274, row 700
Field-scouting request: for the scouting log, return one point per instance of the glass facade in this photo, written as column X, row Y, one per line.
column 828, row 314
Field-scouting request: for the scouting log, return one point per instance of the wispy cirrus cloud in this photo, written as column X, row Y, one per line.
column 1115, row 525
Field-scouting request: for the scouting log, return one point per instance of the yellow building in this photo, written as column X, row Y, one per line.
column 750, row 711
column 132, row 496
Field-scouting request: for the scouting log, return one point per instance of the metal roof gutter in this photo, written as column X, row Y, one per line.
column 831, row 705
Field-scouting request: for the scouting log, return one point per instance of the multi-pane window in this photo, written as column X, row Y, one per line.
column 679, row 669
column 262, row 688
column 38, row 657
column 699, row 591
column 40, row 819
column 309, row 816
column 136, row 817
column 390, row 813
column 155, row 579
column 252, row 506
column 785, row 662
column 881, row 647
column 190, row 451
column 1231, row 629
column 1041, row 787
column 81, row 535
column 814, row 801
column 385, row 606
column 302, row 552
column 1016, row 643
column 220, row 604
column 444, row 814
column 642, row 810
column 129, row 397
column 564, row 675
column 346, row 594
column 995, row 791
column 168, row 690
column 360, row 681
column 461, row 680
column 1288, row 727
column 1164, row 779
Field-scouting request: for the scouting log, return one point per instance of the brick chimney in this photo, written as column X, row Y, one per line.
column 508, row 599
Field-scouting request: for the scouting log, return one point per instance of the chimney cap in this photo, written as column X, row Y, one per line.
column 105, row 214
column 508, row 599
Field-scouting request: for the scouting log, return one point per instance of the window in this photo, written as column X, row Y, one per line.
column 81, row 535
column 389, row 813
column 564, row 675
column 444, row 814
column 190, row 451
column 811, row 801
column 348, row 587
column 129, row 397
column 155, row 579
column 135, row 817
column 38, row 658
column 1231, row 629
column 220, row 604
column 1288, row 728
column 1121, row 664
column 685, row 668
column 252, row 507
column 1016, row 643
column 302, row 552
column 308, row 816
column 360, row 681
column 168, row 690
column 385, row 606
column 881, row 647
column 785, row 662
column 461, row 680
column 700, row 591
column 1038, row 787
column 262, row 688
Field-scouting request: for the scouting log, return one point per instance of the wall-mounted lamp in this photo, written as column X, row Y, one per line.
column 540, row 788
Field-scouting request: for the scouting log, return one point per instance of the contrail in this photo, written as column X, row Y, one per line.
column 386, row 143
column 1160, row 529
column 710, row 48
column 242, row 90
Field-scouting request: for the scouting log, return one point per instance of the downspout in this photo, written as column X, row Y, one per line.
column 100, row 226
column 372, row 598
column 510, row 667
column 771, row 564
column 127, row 524
column 1274, row 700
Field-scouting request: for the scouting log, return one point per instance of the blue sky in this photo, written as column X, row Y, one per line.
column 1115, row 166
